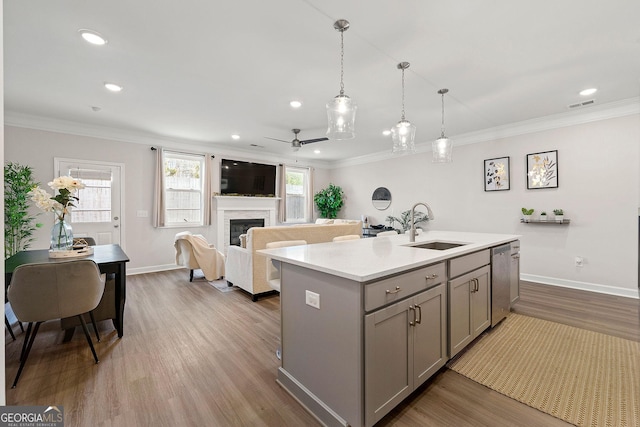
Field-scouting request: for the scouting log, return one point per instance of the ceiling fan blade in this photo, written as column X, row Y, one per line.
column 309, row 141
column 276, row 139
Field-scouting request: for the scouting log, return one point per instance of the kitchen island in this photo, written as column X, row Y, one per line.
column 365, row 322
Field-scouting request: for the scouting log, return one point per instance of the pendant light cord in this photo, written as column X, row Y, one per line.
column 341, row 62
column 403, row 94
column 442, row 128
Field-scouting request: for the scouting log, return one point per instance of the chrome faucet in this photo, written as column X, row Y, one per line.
column 412, row 231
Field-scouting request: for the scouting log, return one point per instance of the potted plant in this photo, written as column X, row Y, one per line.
column 526, row 213
column 559, row 213
column 405, row 219
column 329, row 201
column 19, row 225
column 543, row 216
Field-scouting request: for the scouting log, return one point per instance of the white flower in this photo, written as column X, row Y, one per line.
column 67, row 183
column 44, row 201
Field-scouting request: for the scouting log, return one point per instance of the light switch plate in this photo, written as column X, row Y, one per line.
column 312, row 299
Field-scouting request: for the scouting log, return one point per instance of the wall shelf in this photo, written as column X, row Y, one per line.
column 550, row 222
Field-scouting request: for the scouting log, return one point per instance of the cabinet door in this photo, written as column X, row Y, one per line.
column 481, row 301
column 460, row 332
column 387, row 361
column 429, row 333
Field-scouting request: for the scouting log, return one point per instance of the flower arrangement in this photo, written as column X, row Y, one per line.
column 67, row 188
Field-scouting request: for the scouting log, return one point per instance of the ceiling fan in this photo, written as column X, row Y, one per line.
column 296, row 143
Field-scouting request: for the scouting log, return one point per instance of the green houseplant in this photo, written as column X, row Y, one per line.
column 526, row 213
column 559, row 213
column 405, row 219
column 19, row 224
column 329, row 201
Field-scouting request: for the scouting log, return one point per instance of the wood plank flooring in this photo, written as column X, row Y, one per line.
column 192, row 355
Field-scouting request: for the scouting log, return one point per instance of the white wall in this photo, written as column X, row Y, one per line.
column 598, row 190
column 148, row 248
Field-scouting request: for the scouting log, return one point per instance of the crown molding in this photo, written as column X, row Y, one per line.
column 134, row 137
column 595, row 113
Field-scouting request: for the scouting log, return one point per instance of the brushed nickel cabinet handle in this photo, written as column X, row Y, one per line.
column 431, row 276
column 419, row 314
column 414, row 316
column 394, row 291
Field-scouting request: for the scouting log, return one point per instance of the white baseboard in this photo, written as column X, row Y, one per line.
column 152, row 269
column 592, row 287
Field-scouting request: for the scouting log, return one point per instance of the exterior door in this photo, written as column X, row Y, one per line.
column 98, row 213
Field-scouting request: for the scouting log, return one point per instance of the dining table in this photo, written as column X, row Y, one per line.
column 111, row 259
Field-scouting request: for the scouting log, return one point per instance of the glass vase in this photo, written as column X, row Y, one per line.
column 61, row 236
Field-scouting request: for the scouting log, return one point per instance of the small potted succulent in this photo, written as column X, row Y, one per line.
column 559, row 213
column 526, row 213
column 543, row 216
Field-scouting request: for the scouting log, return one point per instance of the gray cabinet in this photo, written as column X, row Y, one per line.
column 469, row 307
column 405, row 343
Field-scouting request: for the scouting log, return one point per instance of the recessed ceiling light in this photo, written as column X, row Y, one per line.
column 295, row 104
column 235, row 136
column 93, row 37
column 316, row 151
column 588, row 92
column 113, row 87
column 386, row 132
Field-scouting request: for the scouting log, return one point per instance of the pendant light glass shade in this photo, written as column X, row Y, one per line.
column 442, row 147
column 341, row 115
column 403, row 134
column 341, row 110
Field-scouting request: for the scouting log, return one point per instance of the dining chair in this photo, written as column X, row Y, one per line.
column 48, row 291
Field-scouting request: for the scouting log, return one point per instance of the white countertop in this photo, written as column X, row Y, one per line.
column 364, row 260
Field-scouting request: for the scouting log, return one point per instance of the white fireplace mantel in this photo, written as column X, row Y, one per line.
column 240, row 207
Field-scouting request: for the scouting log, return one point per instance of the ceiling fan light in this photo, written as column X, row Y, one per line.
column 341, row 116
column 442, row 149
column 403, row 135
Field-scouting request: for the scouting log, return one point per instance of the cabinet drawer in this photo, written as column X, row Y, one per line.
column 466, row 263
column 398, row 287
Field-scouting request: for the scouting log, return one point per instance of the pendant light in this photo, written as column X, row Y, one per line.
column 403, row 133
column 341, row 110
column 442, row 146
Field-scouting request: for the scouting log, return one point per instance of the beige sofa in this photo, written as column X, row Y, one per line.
column 248, row 270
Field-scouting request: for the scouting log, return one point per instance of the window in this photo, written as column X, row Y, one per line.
column 183, row 188
column 95, row 199
column 297, row 197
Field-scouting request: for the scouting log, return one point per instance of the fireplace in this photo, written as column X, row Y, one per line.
column 240, row 226
column 243, row 208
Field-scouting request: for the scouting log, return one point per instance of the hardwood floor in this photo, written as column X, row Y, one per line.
column 192, row 355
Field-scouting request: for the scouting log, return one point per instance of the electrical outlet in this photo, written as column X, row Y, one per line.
column 142, row 214
column 579, row 261
column 312, row 299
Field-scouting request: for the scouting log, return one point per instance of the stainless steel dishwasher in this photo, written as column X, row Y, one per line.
column 500, row 283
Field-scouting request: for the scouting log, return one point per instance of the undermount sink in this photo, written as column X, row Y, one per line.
column 438, row 246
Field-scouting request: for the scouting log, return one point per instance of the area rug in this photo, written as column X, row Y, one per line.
column 583, row 377
column 222, row 286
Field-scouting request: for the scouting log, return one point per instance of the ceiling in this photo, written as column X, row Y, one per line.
column 199, row 71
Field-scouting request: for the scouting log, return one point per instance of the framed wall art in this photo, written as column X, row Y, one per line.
column 497, row 174
column 542, row 170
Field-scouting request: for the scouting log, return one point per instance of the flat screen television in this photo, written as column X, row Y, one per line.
column 247, row 179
